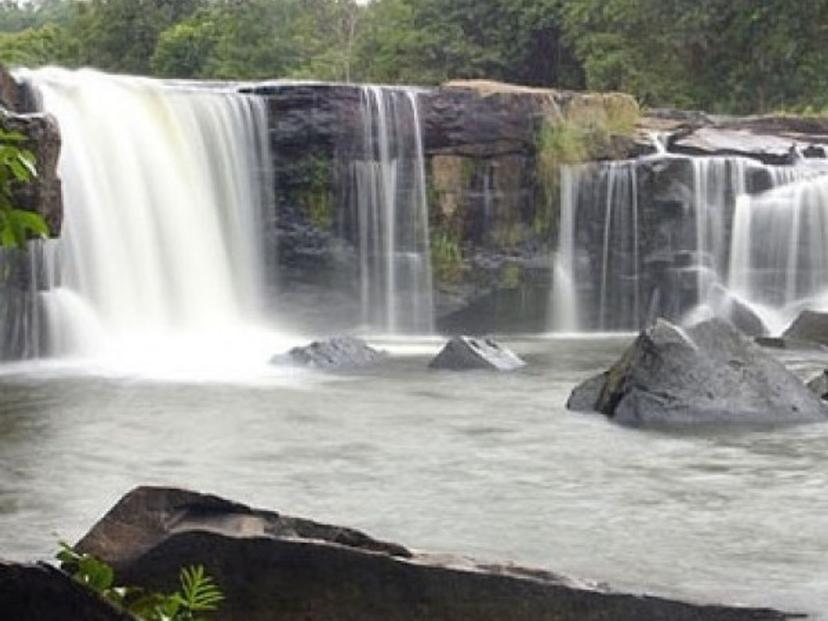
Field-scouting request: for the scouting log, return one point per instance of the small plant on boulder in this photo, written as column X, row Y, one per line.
column 198, row 593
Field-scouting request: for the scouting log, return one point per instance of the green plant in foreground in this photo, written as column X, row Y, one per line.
column 17, row 165
column 198, row 593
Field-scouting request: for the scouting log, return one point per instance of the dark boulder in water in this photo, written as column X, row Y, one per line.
column 338, row 353
column 810, row 326
column 271, row 566
column 465, row 353
column 819, row 385
column 708, row 374
column 585, row 396
column 43, row 593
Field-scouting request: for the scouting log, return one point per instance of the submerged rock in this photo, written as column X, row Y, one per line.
column 809, row 326
column 338, row 353
column 465, row 353
column 272, row 566
column 819, row 385
column 43, row 593
column 708, row 374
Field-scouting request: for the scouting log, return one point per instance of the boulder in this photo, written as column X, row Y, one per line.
column 586, row 395
column 739, row 313
column 809, row 326
column 338, row 353
column 273, row 567
column 466, row 353
column 708, row 374
column 43, row 593
column 819, row 385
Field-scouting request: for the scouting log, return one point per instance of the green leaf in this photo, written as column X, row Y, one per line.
column 198, row 591
column 30, row 221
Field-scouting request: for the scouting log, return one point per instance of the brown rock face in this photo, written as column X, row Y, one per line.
column 276, row 568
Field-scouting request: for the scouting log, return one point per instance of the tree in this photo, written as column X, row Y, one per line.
column 121, row 35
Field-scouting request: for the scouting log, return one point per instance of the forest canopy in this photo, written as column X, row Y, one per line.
column 736, row 56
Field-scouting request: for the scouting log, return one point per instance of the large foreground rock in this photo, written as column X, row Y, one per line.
column 276, row 568
column 708, row 374
column 337, row 354
column 810, row 326
column 466, row 353
column 43, row 593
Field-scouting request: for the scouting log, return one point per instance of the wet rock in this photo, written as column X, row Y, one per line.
column 274, row 567
column 777, row 342
column 708, row 374
column 464, row 353
column 44, row 194
column 585, row 397
column 809, row 326
column 43, row 593
column 737, row 312
column 819, row 385
column 772, row 342
column 338, row 353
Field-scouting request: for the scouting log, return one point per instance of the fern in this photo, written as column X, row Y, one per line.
column 198, row 593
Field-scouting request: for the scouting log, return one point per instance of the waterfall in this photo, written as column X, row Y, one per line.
column 164, row 186
column 779, row 260
column 564, row 304
column 665, row 235
column 391, row 214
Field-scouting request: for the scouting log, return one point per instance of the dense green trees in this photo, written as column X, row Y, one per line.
column 722, row 55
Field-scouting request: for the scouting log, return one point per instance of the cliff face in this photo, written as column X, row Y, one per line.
column 22, row 273
column 492, row 211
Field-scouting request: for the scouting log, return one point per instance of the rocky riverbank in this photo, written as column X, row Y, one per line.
column 274, row 567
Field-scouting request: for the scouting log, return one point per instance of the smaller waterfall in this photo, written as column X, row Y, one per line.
column 564, row 304
column 653, row 237
column 779, row 256
column 391, row 214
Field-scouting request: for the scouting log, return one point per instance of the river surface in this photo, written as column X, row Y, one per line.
column 490, row 466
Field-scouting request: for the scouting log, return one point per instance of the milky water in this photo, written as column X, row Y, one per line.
column 486, row 465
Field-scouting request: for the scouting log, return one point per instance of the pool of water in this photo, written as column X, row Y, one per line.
column 485, row 465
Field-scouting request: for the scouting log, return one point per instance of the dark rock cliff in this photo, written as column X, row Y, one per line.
column 22, row 273
column 493, row 226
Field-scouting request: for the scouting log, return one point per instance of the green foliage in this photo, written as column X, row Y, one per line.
column 446, row 256
column 720, row 55
column 198, row 593
column 584, row 131
column 17, row 166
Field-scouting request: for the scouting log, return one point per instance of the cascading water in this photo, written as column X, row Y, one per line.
column 163, row 190
column 653, row 237
column 564, row 306
column 391, row 214
column 779, row 259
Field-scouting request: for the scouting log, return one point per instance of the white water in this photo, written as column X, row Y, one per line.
column 564, row 306
column 779, row 261
column 164, row 186
column 392, row 215
column 779, row 233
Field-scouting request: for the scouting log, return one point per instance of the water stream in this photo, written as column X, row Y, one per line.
column 676, row 237
column 164, row 185
column 391, row 214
